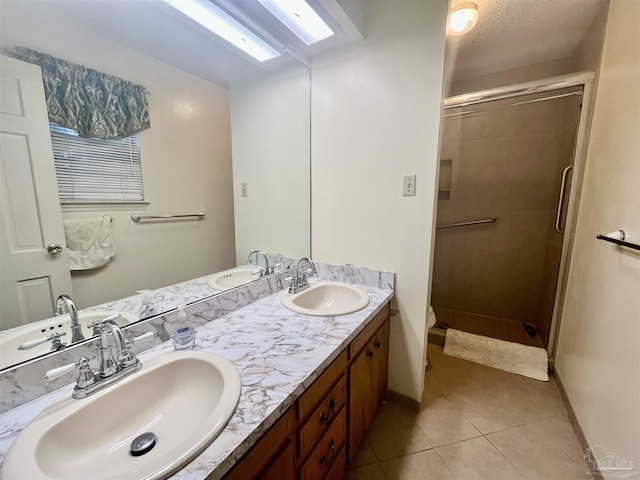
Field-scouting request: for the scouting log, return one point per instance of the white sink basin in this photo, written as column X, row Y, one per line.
column 10, row 342
column 184, row 398
column 326, row 299
column 234, row 277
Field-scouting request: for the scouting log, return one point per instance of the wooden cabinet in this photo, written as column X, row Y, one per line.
column 326, row 425
column 272, row 457
column 368, row 374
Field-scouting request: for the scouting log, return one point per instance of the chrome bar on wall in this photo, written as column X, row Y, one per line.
column 563, row 186
column 136, row 217
column 467, row 224
column 618, row 237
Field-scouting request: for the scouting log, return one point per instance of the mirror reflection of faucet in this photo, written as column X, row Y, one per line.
column 267, row 270
column 64, row 304
column 54, row 338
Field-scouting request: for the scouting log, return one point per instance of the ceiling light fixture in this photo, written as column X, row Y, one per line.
column 463, row 18
column 300, row 18
column 222, row 24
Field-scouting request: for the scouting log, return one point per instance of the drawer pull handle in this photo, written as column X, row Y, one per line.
column 327, row 460
column 326, row 418
column 370, row 354
column 377, row 344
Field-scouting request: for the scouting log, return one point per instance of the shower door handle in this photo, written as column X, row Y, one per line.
column 563, row 186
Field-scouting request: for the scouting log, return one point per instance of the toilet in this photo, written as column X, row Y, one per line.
column 431, row 322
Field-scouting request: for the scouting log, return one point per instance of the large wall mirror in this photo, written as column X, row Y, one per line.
column 229, row 137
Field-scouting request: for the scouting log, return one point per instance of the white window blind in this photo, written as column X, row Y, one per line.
column 92, row 169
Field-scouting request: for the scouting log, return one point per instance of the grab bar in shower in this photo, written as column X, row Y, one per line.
column 467, row 224
column 136, row 217
column 618, row 237
column 563, row 186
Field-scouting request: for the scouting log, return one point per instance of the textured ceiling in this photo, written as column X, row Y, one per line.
column 515, row 33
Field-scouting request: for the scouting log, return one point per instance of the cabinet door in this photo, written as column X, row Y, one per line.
column 359, row 388
column 281, row 467
column 370, row 404
column 270, row 455
column 381, row 351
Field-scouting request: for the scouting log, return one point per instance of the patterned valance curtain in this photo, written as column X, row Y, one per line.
column 92, row 103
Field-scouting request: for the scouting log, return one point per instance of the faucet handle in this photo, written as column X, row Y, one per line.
column 272, row 269
column 142, row 338
column 96, row 324
column 86, row 377
column 50, row 375
column 34, row 343
column 58, row 372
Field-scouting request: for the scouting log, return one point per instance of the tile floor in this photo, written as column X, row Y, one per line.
column 478, row 423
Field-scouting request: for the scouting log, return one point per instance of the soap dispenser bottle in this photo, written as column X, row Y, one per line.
column 182, row 331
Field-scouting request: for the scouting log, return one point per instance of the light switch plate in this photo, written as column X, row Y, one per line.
column 409, row 185
column 243, row 189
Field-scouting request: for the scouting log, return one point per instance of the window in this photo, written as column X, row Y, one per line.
column 92, row 169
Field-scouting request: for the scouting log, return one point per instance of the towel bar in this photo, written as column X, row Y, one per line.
column 618, row 241
column 466, row 224
column 136, row 217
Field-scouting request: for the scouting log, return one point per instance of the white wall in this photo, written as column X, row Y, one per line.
column 375, row 117
column 598, row 354
column 271, row 154
column 186, row 160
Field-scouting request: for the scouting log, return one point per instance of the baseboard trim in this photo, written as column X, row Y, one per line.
column 573, row 419
column 401, row 399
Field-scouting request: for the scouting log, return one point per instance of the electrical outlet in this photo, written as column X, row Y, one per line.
column 409, row 185
column 243, row 189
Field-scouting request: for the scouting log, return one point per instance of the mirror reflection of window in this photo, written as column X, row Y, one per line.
column 92, row 169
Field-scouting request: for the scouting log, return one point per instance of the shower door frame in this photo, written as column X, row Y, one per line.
column 587, row 81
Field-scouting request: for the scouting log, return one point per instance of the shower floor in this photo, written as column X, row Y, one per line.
column 501, row 328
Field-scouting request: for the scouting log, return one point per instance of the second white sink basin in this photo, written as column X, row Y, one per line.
column 234, row 277
column 184, row 398
column 326, row 299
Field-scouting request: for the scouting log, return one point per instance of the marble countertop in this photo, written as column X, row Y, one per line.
column 278, row 354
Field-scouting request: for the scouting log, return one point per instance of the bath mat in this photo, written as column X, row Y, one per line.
column 511, row 357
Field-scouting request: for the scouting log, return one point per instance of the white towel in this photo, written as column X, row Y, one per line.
column 89, row 242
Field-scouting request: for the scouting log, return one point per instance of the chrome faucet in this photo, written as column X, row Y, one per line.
column 267, row 269
column 64, row 304
column 299, row 281
column 112, row 368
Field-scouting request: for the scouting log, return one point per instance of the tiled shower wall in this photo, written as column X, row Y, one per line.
column 504, row 163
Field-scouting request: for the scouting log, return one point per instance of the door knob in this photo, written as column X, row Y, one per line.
column 54, row 248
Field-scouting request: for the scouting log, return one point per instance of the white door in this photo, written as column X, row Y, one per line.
column 31, row 278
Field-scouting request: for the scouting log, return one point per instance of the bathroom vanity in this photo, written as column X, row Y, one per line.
column 310, row 385
column 326, row 425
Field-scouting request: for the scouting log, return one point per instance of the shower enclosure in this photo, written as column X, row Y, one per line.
column 503, row 196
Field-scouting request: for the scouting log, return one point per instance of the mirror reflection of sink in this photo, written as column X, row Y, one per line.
column 234, row 277
column 326, row 299
column 44, row 328
column 184, row 398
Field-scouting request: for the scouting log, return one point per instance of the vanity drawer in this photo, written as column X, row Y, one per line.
column 339, row 467
column 328, row 451
column 322, row 417
column 258, row 461
column 309, row 399
column 369, row 331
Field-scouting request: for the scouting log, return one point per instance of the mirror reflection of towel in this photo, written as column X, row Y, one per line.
column 89, row 242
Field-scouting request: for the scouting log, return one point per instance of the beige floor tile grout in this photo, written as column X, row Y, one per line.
column 473, row 380
column 503, row 456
